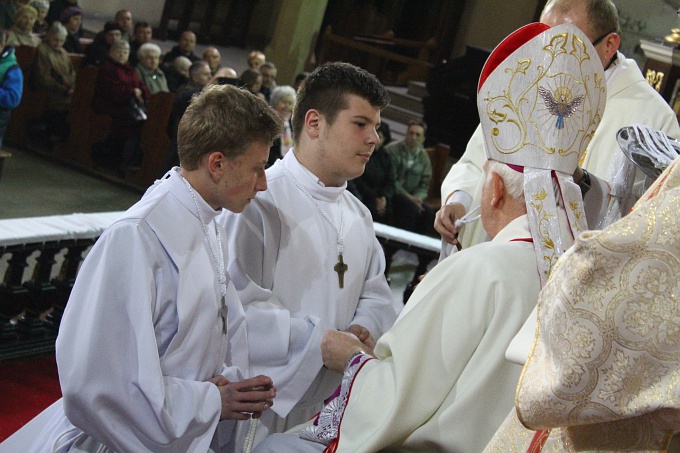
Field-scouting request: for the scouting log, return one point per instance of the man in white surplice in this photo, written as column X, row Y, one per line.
column 304, row 256
column 153, row 315
column 438, row 380
column 630, row 100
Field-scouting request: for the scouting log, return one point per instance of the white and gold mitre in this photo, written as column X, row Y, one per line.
column 541, row 96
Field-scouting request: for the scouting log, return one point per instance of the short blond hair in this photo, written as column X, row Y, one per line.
column 226, row 119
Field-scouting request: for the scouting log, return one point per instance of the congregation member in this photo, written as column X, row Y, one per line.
column 375, row 187
column 631, row 100
column 268, row 71
column 11, row 83
column 177, row 73
column 256, row 59
column 153, row 350
column 303, row 255
column 72, row 19
column 40, row 26
column 57, row 7
column 142, row 34
column 147, row 68
column 413, row 173
column 184, row 48
column 597, row 382
column 116, row 90
column 99, row 49
column 21, row 33
column 252, row 81
column 212, row 56
column 53, row 73
column 282, row 101
column 123, row 18
column 438, row 380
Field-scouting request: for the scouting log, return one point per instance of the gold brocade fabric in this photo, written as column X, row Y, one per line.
column 604, row 372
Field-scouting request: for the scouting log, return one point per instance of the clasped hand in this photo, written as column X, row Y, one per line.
column 244, row 399
column 337, row 347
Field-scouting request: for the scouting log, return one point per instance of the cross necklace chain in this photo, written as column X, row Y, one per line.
column 217, row 258
column 340, row 267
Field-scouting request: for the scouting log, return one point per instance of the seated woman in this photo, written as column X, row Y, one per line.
column 54, row 74
column 147, row 69
column 116, row 91
column 21, row 33
column 282, row 101
column 72, row 18
column 40, row 26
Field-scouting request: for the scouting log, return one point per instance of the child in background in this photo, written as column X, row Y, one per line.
column 12, row 85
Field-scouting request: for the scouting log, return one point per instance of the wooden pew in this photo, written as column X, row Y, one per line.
column 32, row 105
column 155, row 141
column 86, row 127
column 439, row 156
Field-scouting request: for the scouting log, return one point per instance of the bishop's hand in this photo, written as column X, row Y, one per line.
column 244, row 399
column 364, row 335
column 337, row 347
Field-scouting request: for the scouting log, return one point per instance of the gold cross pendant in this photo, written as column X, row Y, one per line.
column 340, row 268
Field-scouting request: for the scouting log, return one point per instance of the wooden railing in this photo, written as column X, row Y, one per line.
column 374, row 55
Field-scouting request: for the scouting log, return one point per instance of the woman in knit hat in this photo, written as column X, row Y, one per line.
column 21, row 33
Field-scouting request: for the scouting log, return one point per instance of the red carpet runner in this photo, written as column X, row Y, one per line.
column 26, row 388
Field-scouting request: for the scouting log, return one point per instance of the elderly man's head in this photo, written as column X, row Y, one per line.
column 502, row 196
column 213, row 58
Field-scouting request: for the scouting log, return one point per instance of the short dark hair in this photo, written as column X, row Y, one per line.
column 226, row 119
column 142, row 24
column 327, row 88
column 420, row 123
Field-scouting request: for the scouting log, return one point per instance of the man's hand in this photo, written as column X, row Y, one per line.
column 244, row 399
column 363, row 335
column 337, row 347
column 445, row 219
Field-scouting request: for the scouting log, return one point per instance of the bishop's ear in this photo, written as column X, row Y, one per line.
column 498, row 188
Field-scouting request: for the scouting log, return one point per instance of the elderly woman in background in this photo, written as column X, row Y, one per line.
column 282, row 100
column 40, row 26
column 72, row 18
column 117, row 90
column 54, row 74
column 149, row 73
column 21, row 33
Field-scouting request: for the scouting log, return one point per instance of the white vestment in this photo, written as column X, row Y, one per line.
column 283, row 252
column 142, row 333
column 442, row 382
column 630, row 100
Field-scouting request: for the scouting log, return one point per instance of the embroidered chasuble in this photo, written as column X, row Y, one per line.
column 602, row 373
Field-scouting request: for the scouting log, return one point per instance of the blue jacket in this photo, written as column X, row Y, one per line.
column 12, row 78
